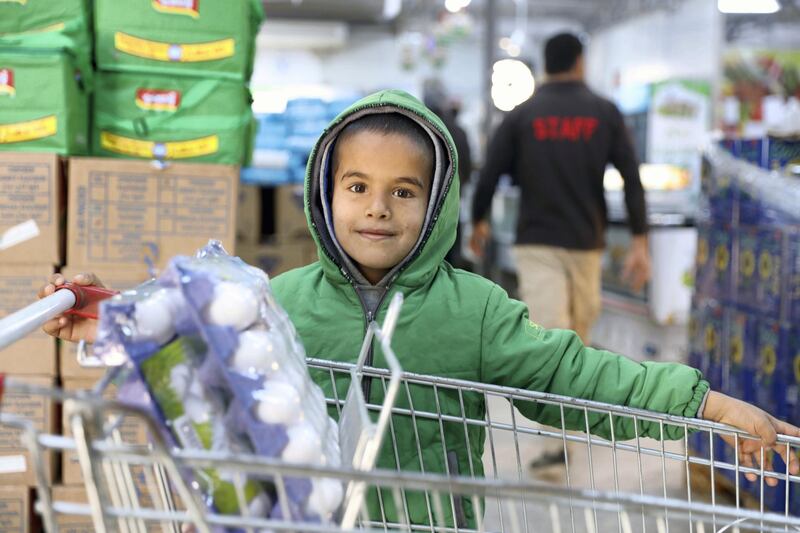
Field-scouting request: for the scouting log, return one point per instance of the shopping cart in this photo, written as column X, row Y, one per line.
column 605, row 484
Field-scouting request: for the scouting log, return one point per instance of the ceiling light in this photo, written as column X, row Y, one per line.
column 454, row 6
column 512, row 83
column 748, row 6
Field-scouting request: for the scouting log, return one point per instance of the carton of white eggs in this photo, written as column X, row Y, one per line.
column 252, row 358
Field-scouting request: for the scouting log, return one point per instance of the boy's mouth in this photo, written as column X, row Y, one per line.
column 375, row 234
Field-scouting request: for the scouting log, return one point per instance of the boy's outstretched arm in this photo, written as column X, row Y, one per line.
column 518, row 353
column 70, row 327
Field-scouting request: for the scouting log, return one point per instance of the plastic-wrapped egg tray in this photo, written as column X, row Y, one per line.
column 223, row 364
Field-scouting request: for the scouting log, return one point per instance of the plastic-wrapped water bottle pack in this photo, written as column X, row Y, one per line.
column 223, row 370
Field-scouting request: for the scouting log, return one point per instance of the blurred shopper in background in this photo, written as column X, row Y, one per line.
column 556, row 146
column 436, row 98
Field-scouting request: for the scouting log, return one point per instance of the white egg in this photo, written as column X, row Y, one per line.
column 291, row 376
column 153, row 317
column 304, row 446
column 258, row 351
column 233, row 305
column 278, row 403
column 326, row 496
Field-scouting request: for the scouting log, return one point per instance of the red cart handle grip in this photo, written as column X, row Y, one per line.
column 87, row 297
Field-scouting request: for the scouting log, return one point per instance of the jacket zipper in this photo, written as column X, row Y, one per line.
column 366, row 383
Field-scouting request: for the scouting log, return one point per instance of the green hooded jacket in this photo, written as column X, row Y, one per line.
column 455, row 324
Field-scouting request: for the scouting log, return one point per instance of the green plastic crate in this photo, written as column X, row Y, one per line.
column 190, row 37
column 153, row 116
column 43, row 107
column 48, row 24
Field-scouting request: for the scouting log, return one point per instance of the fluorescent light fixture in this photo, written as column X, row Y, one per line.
column 512, row 84
column 748, row 6
column 391, row 8
column 454, row 6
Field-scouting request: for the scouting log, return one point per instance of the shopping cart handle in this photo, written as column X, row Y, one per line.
column 86, row 299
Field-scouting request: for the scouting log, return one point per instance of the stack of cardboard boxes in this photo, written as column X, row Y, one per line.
column 272, row 233
column 31, row 247
column 121, row 220
column 170, row 90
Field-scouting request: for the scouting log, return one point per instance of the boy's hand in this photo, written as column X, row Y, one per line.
column 481, row 233
column 70, row 327
column 736, row 413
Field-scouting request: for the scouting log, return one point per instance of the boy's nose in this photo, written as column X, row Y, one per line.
column 378, row 208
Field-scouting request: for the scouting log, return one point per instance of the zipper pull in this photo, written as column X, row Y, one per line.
column 369, row 317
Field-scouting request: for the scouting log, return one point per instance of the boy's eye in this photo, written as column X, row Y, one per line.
column 403, row 193
column 357, row 187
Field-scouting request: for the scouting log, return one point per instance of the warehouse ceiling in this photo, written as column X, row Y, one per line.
column 591, row 14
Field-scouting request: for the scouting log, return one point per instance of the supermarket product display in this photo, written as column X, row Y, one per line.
column 743, row 332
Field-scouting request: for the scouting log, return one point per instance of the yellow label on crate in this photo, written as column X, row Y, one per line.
column 723, row 257
column 797, row 368
column 29, row 130
column 173, row 52
column 769, row 359
column 178, row 7
column 765, row 265
column 737, row 350
column 748, row 263
column 711, row 338
column 159, row 150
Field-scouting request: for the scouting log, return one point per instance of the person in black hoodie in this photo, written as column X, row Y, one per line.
column 556, row 146
column 435, row 97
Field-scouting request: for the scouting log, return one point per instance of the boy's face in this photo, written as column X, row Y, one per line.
column 380, row 196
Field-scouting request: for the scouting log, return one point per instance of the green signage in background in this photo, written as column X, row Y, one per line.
column 153, row 116
column 43, row 107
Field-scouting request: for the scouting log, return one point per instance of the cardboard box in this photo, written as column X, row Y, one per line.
column 72, row 523
column 16, row 467
column 16, row 514
column 121, row 278
column 83, row 524
column 132, row 431
column 130, row 212
column 31, row 208
column 277, row 258
column 248, row 215
column 290, row 217
column 36, row 352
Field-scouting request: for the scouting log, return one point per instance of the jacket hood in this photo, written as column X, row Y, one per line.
column 439, row 231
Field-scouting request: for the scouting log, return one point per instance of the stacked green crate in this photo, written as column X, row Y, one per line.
column 43, row 108
column 154, row 116
column 209, row 38
column 172, row 80
column 45, row 76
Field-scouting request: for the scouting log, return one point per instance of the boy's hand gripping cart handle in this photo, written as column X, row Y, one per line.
column 69, row 299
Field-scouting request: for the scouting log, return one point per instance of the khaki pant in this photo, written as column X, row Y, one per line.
column 561, row 287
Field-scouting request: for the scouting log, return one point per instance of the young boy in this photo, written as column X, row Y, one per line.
column 382, row 204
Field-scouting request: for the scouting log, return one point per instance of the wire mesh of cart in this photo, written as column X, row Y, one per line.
column 646, row 482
